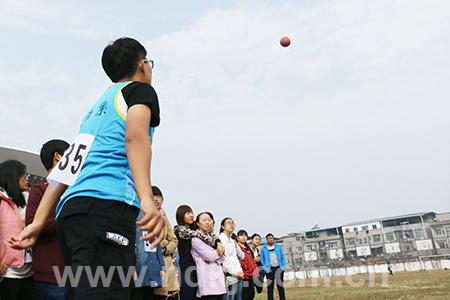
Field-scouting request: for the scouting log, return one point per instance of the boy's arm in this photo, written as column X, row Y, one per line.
column 29, row 234
column 139, row 153
column 34, row 198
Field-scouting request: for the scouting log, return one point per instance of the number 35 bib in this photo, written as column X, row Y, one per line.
column 71, row 162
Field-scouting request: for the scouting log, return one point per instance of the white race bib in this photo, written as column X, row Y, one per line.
column 28, row 256
column 71, row 162
column 148, row 244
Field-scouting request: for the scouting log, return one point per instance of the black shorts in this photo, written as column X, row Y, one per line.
column 97, row 237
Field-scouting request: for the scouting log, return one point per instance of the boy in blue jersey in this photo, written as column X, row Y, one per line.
column 109, row 167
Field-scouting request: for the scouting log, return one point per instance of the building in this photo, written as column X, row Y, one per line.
column 293, row 246
column 440, row 231
column 363, row 239
column 399, row 238
column 323, row 247
column 408, row 236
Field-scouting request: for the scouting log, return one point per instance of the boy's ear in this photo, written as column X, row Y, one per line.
column 56, row 158
column 141, row 66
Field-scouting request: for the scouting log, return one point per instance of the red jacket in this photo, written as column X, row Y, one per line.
column 248, row 264
column 10, row 226
column 46, row 251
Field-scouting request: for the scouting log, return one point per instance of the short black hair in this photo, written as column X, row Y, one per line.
column 242, row 232
column 269, row 234
column 157, row 192
column 255, row 235
column 120, row 58
column 49, row 149
column 10, row 172
column 181, row 211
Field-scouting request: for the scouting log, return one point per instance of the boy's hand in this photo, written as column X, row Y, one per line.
column 152, row 221
column 27, row 238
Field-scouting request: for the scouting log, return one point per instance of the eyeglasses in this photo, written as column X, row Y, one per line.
column 26, row 176
column 229, row 223
column 149, row 61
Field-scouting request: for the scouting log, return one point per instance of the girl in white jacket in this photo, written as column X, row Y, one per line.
column 231, row 265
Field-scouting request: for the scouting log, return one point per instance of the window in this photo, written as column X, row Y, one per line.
column 349, row 241
column 442, row 244
column 347, row 230
column 376, row 238
column 408, row 234
column 420, row 234
column 390, row 237
column 355, row 229
column 332, row 245
column 365, row 228
column 439, row 231
column 362, row 241
column 310, row 247
column 374, row 226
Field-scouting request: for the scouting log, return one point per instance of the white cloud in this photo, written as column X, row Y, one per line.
column 351, row 118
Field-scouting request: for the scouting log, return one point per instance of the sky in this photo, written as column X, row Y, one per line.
column 350, row 122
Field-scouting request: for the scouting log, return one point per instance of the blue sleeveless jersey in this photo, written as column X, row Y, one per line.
column 105, row 173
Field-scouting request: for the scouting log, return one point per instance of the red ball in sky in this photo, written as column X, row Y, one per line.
column 285, row 41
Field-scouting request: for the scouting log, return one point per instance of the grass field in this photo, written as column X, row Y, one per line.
column 427, row 285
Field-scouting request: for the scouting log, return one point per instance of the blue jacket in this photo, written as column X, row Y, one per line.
column 265, row 257
column 153, row 261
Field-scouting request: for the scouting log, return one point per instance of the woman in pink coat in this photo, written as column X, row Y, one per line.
column 15, row 265
column 211, row 280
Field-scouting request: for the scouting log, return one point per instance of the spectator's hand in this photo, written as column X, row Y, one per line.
column 152, row 221
column 163, row 275
column 27, row 238
column 240, row 275
column 258, row 259
column 3, row 268
column 220, row 249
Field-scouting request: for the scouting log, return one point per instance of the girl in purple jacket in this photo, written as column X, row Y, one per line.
column 211, row 279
